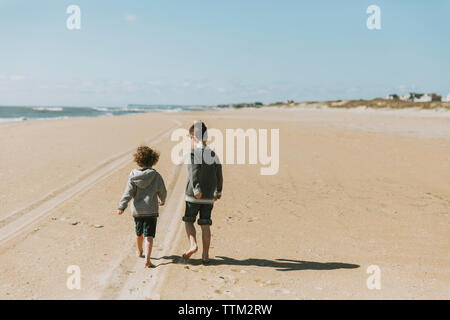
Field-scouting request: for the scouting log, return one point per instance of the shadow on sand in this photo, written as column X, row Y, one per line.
column 278, row 264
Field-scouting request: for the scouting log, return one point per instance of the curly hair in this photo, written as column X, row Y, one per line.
column 146, row 157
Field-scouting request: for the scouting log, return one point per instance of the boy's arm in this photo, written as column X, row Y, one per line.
column 162, row 191
column 219, row 178
column 196, row 166
column 129, row 193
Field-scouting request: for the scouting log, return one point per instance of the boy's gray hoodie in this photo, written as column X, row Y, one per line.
column 143, row 188
column 204, row 176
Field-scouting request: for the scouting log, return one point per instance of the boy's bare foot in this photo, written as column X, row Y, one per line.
column 148, row 264
column 140, row 255
column 189, row 253
column 205, row 260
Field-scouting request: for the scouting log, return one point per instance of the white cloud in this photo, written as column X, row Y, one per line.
column 130, row 17
column 17, row 77
column 86, row 84
column 353, row 90
column 62, row 86
column 154, row 83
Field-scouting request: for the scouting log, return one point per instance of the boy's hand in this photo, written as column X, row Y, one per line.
column 160, row 203
column 119, row 212
column 198, row 196
column 215, row 199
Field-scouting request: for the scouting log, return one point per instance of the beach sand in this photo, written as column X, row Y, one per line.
column 354, row 189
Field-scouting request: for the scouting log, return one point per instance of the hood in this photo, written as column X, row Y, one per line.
column 143, row 178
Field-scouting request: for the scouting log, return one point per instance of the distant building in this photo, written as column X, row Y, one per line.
column 448, row 98
column 393, row 97
column 420, row 97
column 429, row 97
column 412, row 96
column 434, row 97
column 424, row 98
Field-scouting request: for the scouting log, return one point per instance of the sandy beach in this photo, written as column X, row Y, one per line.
column 355, row 188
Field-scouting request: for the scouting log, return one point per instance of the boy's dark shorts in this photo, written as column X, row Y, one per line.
column 192, row 209
column 146, row 226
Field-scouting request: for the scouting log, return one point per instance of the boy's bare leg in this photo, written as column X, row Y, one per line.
column 139, row 243
column 191, row 233
column 206, row 241
column 148, row 263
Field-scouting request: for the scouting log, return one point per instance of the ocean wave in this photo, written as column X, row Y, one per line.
column 132, row 110
column 163, row 110
column 48, row 109
column 169, row 110
column 12, row 114
column 5, row 120
column 101, row 109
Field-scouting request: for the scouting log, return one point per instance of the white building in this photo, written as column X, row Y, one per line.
column 424, row 98
column 419, row 97
column 412, row 96
column 431, row 97
column 448, row 98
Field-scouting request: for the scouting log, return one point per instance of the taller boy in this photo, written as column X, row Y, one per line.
column 203, row 188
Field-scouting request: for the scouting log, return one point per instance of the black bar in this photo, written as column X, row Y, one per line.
column 219, row 309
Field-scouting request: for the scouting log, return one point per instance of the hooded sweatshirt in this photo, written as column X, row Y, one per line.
column 204, row 176
column 144, row 187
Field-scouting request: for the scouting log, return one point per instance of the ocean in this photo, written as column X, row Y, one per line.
column 17, row 113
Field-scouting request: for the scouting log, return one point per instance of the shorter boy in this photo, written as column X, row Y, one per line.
column 144, row 187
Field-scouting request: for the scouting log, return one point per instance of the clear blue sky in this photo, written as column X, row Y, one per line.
column 219, row 51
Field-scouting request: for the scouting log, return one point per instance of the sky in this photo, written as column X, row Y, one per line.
column 209, row 52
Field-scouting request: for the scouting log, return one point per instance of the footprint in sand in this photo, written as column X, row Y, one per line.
column 283, row 291
column 229, row 293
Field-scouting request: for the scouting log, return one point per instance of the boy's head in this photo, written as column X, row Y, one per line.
column 146, row 157
column 199, row 131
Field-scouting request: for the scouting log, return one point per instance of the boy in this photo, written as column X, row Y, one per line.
column 203, row 188
column 145, row 186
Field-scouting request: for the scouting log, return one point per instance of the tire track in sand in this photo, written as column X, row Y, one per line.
column 130, row 280
column 18, row 221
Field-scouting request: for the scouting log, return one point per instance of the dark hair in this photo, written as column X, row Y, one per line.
column 200, row 134
column 146, row 157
